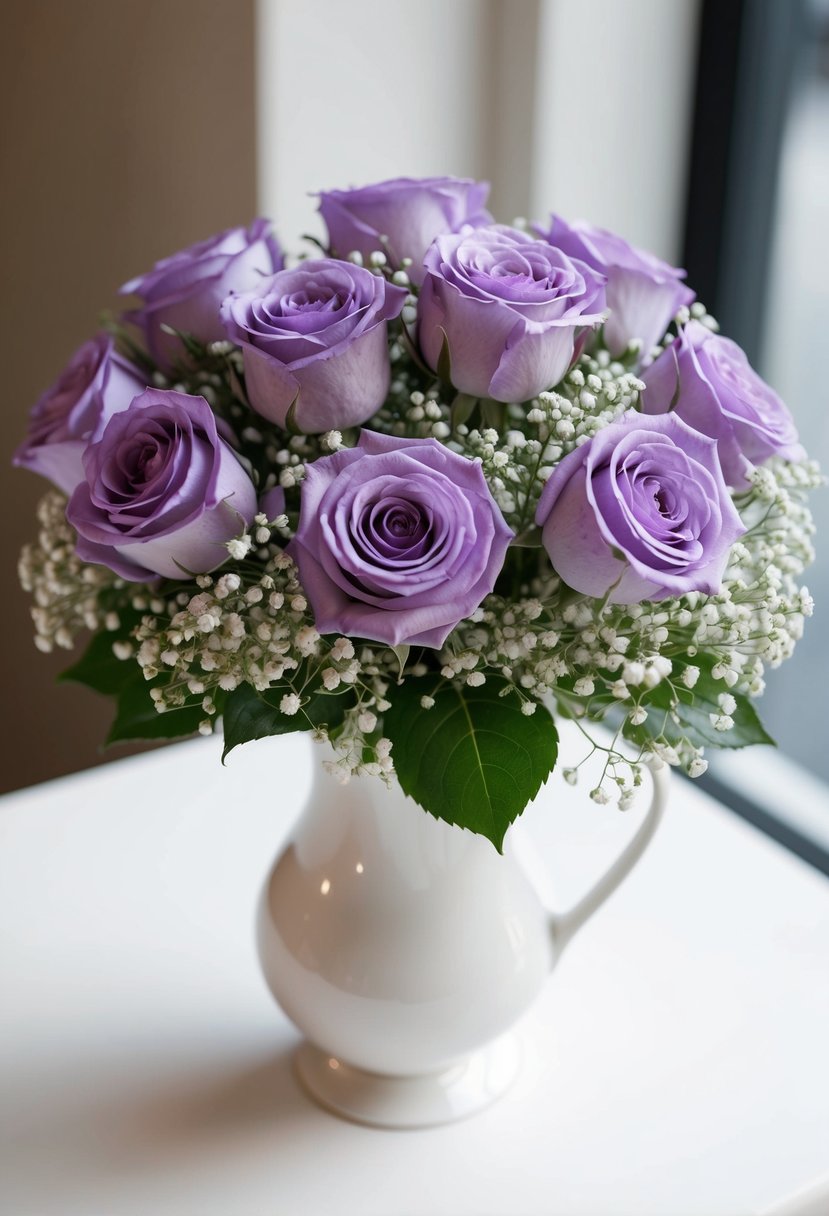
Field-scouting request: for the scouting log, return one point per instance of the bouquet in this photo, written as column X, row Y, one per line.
column 420, row 493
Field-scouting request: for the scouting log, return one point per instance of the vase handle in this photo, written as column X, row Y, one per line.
column 564, row 925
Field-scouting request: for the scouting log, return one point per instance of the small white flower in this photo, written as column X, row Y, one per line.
column 690, row 676
column 290, row 704
column 342, row 649
column 239, row 547
column 721, row 722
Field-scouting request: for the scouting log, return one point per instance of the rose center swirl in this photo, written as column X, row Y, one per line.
column 392, row 529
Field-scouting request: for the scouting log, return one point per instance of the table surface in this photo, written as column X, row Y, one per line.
column 677, row 1064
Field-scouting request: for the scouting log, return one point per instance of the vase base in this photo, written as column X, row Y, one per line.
column 456, row 1092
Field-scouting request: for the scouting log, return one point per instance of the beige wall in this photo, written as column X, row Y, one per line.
column 126, row 132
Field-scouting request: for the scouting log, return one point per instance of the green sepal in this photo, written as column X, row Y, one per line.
column 530, row 538
column 401, row 653
column 473, row 759
column 493, row 413
column 462, row 409
column 444, row 367
column 291, row 424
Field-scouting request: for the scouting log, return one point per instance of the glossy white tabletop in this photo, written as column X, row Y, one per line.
column 677, row 1065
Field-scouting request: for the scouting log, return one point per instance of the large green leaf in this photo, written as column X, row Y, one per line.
column 473, row 759
column 249, row 714
column 676, row 712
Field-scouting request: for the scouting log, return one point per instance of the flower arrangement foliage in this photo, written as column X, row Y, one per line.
column 419, row 496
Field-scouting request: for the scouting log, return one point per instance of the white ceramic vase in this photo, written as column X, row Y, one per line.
column 405, row 950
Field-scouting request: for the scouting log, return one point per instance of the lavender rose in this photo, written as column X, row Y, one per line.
column 708, row 381
column 510, row 308
column 643, row 292
column 163, row 492
column 402, row 217
column 97, row 383
column 640, row 512
column 398, row 540
column 315, row 338
column 185, row 291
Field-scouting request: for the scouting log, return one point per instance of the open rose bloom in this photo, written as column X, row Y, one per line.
column 449, row 467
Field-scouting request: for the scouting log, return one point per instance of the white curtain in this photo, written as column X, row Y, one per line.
column 582, row 106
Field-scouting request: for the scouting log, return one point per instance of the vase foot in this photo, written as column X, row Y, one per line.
column 428, row 1100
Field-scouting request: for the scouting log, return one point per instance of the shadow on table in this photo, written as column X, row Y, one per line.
column 114, row 1128
column 196, row 1112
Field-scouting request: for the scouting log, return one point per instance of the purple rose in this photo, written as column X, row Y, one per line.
column 640, row 512
column 402, row 217
column 510, row 308
column 97, row 383
column 163, row 492
column 398, row 540
column 185, row 291
column 315, row 338
column 708, row 381
column 643, row 292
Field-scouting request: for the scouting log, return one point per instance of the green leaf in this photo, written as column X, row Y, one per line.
column 676, row 712
column 474, row 759
column 249, row 714
column 98, row 668
column 136, row 716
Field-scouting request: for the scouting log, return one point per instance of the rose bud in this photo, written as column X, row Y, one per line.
column 643, row 292
column 97, row 383
column 402, row 217
column 315, row 338
column 510, row 308
column 708, row 381
column 184, row 292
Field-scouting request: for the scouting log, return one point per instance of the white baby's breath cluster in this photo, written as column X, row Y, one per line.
column 595, row 393
column 70, row 596
column 252, row 625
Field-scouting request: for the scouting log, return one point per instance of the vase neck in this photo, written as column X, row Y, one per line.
column 368, row 818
